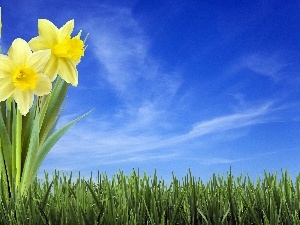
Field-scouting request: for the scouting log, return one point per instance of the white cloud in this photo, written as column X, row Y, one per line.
column 142, row 158
column 140, row 82
column 209, row 161
column 119, row 45
column 270, row 65
column 213, row 161
column 100, row 143
column 249, row 117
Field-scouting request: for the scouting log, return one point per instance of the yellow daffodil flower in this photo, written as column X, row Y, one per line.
column 21, row 75
column 66, row 51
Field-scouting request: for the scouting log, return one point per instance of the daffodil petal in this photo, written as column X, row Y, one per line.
column 6, row 66
column 67, row 71
column 48, row 31
column 51, row 68
column 43, row 86
column 38, row 60
column 19, row 51
column 39, row 43
column 6, row 88
column 66, row 30
column 79, row 34
column 24, row 99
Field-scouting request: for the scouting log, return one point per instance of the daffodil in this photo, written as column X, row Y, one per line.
column 21, row 75
column 66, row 51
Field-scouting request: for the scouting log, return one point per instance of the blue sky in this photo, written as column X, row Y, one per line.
column 176, row 85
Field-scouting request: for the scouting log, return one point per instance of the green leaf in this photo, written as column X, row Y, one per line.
column 27, row 173
column 53, row 107
column 28, row 123
column 3, row 108
column 51, row 140
column 6, row 148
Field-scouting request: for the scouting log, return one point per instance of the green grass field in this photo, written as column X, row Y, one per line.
column 142, row 199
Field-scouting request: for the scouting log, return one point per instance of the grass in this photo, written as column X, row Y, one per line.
column 140, row 199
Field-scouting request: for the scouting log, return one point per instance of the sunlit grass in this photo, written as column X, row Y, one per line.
column 142, row 199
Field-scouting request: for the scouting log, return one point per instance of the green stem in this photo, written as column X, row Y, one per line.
column 8, row 115
column 48, row 99
column 18, row 147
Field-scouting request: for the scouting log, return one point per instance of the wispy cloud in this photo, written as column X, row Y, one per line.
column 213, row 161
column 142, row 85
column 271, row 65
column 121, row 47
column 220, row 124
column 210, row 161
column 99, row 143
